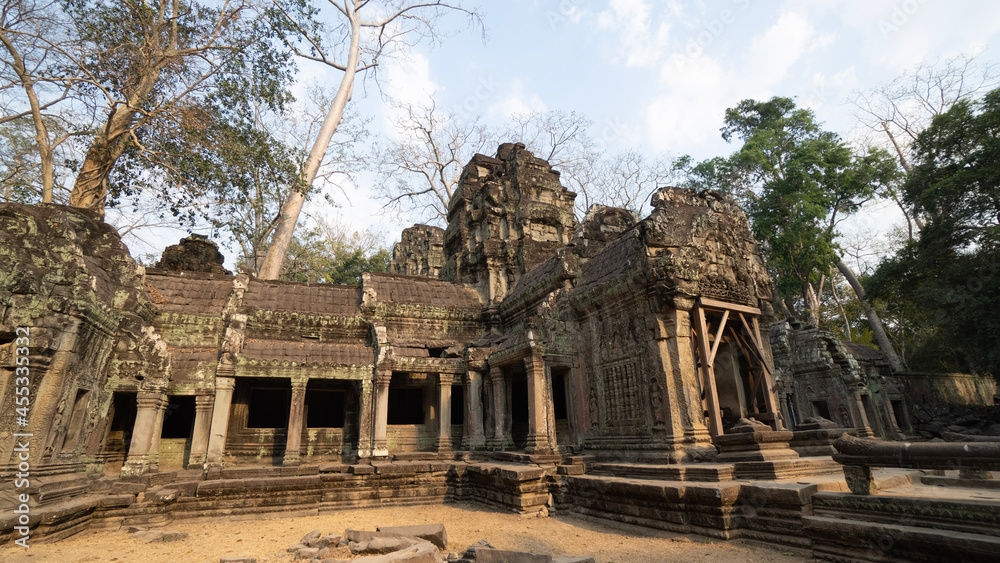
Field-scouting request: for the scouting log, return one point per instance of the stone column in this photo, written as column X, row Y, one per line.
column 472, row 432
column 538, row 406
column 149, row 409
column 154, row 447
column 365, row 418
column 444, row 412
column 202, row 429
column 380, row 444
column 220, row 421
column 500, row 437
column 293, row 440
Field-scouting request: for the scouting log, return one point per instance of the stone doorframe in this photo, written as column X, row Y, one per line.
column 746, row 335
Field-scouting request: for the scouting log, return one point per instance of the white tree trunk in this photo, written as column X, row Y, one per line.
column 270, row 267
column 873, row 320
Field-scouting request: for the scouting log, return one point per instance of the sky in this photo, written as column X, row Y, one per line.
column 657, row 76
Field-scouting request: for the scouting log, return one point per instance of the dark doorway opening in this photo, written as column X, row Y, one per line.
column 559, row 394
column 519, row 406
column 406, row 405
column 178, row 419
column 457, row 404
column 124, row 408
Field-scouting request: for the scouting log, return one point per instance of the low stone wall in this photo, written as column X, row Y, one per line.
column 948, row 388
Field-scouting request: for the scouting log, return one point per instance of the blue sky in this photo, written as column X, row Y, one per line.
column 658, row 75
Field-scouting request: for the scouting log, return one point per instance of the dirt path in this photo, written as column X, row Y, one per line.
column 266, row 538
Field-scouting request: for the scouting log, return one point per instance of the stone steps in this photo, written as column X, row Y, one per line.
column 696, row 472
column 838, row 539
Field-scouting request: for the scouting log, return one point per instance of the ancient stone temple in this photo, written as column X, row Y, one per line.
column 518, row 357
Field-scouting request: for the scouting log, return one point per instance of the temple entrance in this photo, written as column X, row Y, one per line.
column 733, row 363
column 560, row 406
column 518, row 406
column 175, row 435
column 122, row 415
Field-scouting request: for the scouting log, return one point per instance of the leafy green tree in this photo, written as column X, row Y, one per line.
column 332, row 253
column 949, row 275
column 798, row 183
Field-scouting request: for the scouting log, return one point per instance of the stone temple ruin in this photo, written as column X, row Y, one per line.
column 618, row 368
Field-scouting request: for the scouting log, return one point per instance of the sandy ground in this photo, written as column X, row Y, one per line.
column 267, row 538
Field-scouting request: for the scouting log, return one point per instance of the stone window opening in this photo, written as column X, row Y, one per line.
column 268, row 404
column 821, row 408
column 325, row 408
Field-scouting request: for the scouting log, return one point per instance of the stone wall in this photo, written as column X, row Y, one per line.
column 419, row 252
column 70, row 281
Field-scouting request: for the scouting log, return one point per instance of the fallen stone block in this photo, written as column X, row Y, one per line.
column 306, row 553
column 420, row 552
column 151, row 536
column 380, row 546
column 486, row 555
column 434, row 533
column 238, row 560
column 310, row 539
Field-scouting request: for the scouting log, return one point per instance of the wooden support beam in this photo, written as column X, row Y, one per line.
column 717, row 305
column 718, row 339
column 707, row 374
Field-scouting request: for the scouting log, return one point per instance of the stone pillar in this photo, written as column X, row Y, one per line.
column 293, row 440
column 366, row 418
column 500, row 437
column 539, row 434
column 444, row 412
column 154, row 447
column 380, row 444
column 149, row 410
column 472, row 432
column 202, row 429
column 220, row 421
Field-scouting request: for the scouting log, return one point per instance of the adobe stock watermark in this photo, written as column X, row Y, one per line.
column 22, row 443
column 484, row 91
column 899, row 15
column 564, row 13
column 610, row 129
column 710, row 31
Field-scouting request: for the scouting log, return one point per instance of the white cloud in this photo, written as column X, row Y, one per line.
column 772, row 54
column 641, row 43
column 516, row 101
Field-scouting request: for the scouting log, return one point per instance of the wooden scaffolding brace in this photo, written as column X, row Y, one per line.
column 747, row 336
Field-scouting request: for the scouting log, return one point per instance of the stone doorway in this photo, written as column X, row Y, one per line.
column 518, row 394
column 122, row 415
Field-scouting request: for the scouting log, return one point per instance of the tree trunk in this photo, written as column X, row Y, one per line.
column 90, row 191
column 41, row 133
column 873, row 320
column 270, row 268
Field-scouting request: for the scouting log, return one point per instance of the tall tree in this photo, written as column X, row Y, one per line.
column 36, row 78
column 897, row 111
column 952, row 272
column 150, row 65
column 365, row 32
column 800, row 183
